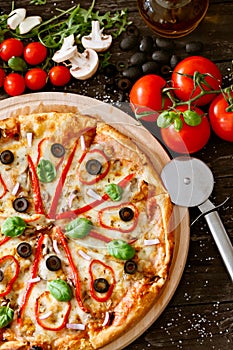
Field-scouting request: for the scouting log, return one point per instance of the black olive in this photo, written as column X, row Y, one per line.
column 174, row 60
column 57, row 150
column 124, row 84
column 126, row 214
column 24, row 250
column 161, row 56
column 129, row 42
column 194, row 47
column 101, row 285
column 146, row 44
column 53, row 263
column 1, row 275
column 121, row 65
column 150, row 67
column 164, row 43
column 133, row 72
column 35, row 347
column 7, row 157
column 20, row 204
column 132, row 30
column 93, row 167
column 130, row 267
column 138, row 58
column 166, row 70
column 110, row 70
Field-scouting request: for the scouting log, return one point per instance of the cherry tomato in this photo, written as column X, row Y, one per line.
column 10, row 47
column 220, row 119
column 14, row 84
column 35, row 78
column 59, row 75
column 35, row 53
column 183, row 82
column 2, row 76
column 189, row 139
column 146, row 97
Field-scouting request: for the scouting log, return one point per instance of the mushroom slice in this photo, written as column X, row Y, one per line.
column 96, row 40
column 66, row 51
column 29, row 23
column 15, row 17
column 84, row 65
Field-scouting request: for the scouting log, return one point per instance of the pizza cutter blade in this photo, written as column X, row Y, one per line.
column 189, row 181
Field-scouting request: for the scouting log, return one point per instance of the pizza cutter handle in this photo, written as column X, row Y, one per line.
column 220, row 236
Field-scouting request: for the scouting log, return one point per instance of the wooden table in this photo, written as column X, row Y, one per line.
column 200, row 314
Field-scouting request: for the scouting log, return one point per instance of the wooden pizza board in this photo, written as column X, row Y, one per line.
column 58, row 102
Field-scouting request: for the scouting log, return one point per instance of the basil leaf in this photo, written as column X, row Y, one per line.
column 78, row 228
column 13, row 226
column 17, row 64
column 120, row 249
column 192, row 118
column 114, row 191
column 46, row 171
column 60, row 290
column 6, row 316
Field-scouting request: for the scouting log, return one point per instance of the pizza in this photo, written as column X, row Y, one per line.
column 85, row 238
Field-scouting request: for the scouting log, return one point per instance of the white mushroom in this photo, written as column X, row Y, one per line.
column 16, row 17
column 84, row 65
column 96, row 40
column 29, row 23
column 66, row 51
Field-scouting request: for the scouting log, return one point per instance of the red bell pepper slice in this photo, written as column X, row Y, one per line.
column 63, row 176
column 65, row 310
column 75, row 275
column 102, row 174
column 112, row 285
column 34, row 273
column 36, row 187
column 73, row 213
column 135, row 219
column 15, row 273
column 39, row 150
column 3, row 186
column 4, row 240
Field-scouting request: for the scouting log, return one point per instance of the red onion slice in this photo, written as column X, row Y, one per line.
column 76, row 326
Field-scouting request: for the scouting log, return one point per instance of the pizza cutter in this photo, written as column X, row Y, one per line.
column 189, row 181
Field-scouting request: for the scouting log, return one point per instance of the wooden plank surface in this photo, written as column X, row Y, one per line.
column 200, row 315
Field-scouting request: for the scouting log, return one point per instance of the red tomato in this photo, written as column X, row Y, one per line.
column 189, row 139
column 36, row 78
column 146, row 97
column 10, row 47
column 221, row 120
column 184, row 85
column 14, row 84
column 59, row 75
column 2, row 76
column 35, row 53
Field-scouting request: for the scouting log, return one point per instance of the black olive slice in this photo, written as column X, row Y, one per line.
column 126, row 214
column 93, row 166
column 1, row 275
column 20, row 204
column 35, row 347
column 130, row 267
column 24, row 250
column 57, row 150
column 7, row 157
column 53, row 263
column 101, row 285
